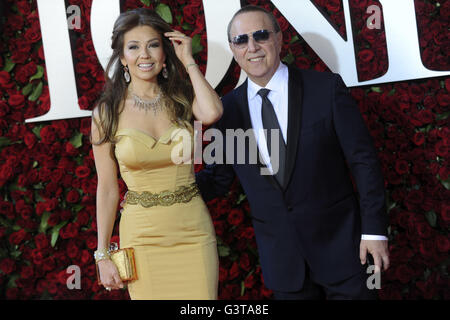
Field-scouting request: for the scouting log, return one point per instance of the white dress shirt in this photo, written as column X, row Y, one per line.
column 278, row 96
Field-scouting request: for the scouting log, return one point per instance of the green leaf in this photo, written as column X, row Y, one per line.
column 196, row 46
column 186, row 26
column 37, row 92
column 242, row 288
column 179, row 18
column 431, row 218
column 5, row 223
column 164, row 12
column 289, row 58
column 223, row 251
column 4, row 142
column 27, row 89
column 15, row 254
column 39, row 73
column 391, row 93
column 146, row 2
column 376, row 89
column 77, row 140
column 9, row 65
column 294, row 39
column 77, row 208
column 44, row 225
column 37, row 130
column 443, row 116
column 35, row 164
column 12, row 281
column 55, row 232
column 241, row 198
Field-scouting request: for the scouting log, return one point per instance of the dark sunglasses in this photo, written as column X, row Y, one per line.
column 259, row 36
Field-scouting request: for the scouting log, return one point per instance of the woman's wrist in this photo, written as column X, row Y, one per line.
column 102, row 254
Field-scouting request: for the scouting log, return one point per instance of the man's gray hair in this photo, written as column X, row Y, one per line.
column 252, row 8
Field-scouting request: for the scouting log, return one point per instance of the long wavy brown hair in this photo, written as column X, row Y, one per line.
column 177, row 89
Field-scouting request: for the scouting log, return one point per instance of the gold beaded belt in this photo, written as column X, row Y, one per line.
column 147, row 199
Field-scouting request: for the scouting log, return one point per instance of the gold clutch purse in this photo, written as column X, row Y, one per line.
column 124, row 261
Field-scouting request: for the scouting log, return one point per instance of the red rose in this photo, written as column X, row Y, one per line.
column 365, row 55
column 250, row 281
column 442, row 243
column 70, row 149
column 73, row 196
column 48, row 135
column 27, row 272
column 404, row 273
column 82, row 171
column 418, row 138
column 7, row 265
column 84, row 83
column 17, row 237
column 333, row 5
column 442, row 98
column 430, row 102
column 425, row 116
column 30, row 139
column 190, row 12
column 445, row 212
column 441, row 149
column 401, row 166
column 85, row 126
column 61, row 127
column 91, row 242
column 23, row 209
column 69, row 231
column 235, row 217
column 33, row 34
column 244, row 262
column 5, row 80
column 7, row 209
column 416, row 93
column 37, row 256
column 24, row 7
column 72, row 249
column 234, row 271
column 16, row 100
column 424, row 230
column 41, row 241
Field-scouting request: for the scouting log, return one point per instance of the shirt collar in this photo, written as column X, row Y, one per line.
column 275, row 83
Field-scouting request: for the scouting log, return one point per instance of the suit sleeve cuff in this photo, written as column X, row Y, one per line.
column 373, row 237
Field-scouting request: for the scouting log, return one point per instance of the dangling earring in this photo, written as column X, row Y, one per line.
column 165, row 73
column 126, row 74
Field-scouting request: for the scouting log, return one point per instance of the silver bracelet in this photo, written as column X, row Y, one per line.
column 101, row 254
column 190, row 65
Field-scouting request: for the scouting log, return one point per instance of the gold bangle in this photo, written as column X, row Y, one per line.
column 190, row 65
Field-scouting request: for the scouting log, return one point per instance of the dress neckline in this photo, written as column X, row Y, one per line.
column 148, row 134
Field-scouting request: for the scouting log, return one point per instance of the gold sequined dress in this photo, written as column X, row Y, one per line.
column 175, row 243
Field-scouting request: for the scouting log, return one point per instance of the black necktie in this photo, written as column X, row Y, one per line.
column 270, row 121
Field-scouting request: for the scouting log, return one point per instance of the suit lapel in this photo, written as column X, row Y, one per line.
column 295, row 99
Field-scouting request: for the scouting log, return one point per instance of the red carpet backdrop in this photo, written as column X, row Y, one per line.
column 48, row 179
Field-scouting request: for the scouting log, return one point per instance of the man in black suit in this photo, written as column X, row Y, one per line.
column 313, row 231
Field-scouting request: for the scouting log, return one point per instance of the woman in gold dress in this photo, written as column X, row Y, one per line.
column 145, row 112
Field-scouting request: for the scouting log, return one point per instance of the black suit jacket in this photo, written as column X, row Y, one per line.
column 317, row 217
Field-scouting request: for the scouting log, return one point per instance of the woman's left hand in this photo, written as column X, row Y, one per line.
column 182, row 45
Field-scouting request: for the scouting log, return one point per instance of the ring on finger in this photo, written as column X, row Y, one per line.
column 108, row 288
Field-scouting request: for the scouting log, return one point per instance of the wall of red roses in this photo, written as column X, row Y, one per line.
column 48, row 178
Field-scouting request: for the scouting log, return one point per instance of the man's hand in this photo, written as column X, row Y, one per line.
column 379, row 251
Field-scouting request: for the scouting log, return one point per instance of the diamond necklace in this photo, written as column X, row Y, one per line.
column 153, row 104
